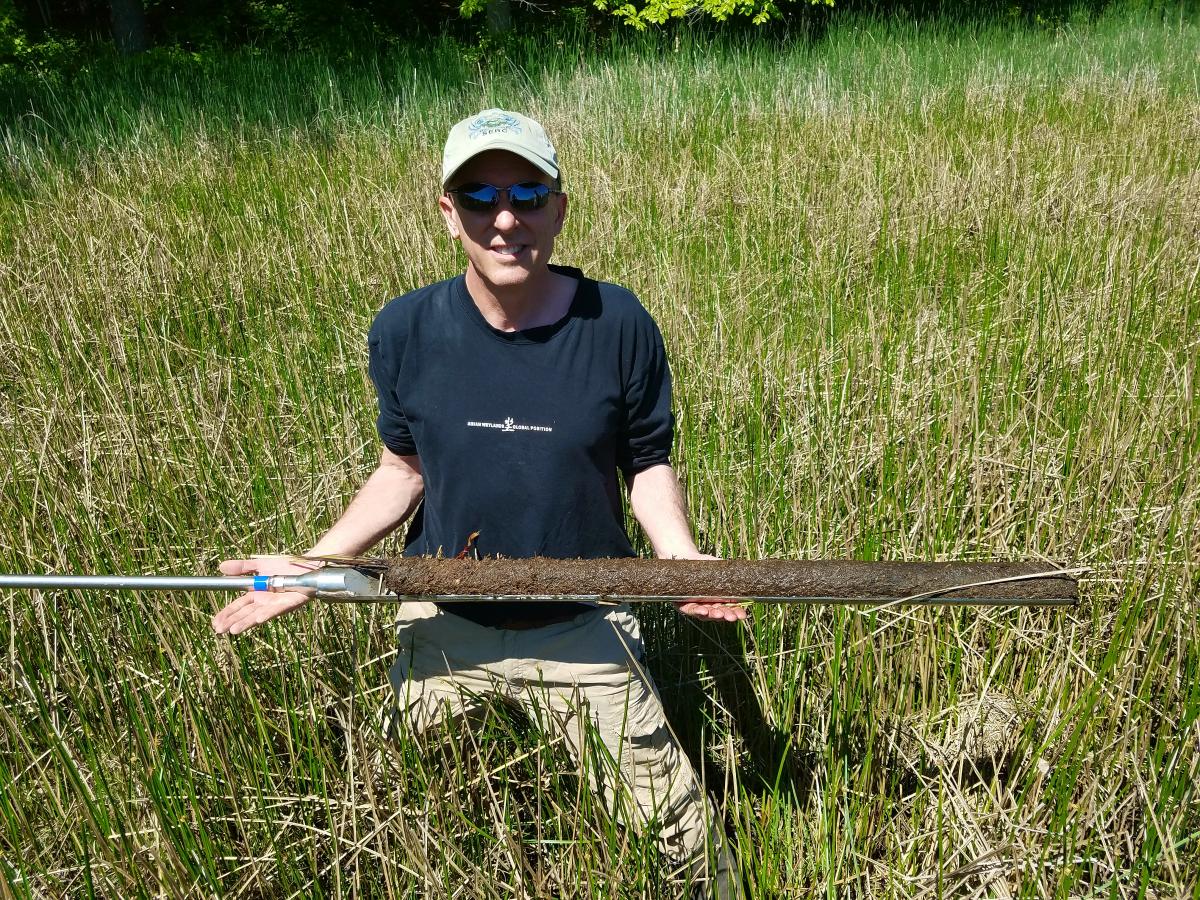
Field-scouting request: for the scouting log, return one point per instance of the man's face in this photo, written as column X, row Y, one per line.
column 505, row 247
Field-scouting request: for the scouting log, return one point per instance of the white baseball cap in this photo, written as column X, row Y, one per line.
column 498, row 129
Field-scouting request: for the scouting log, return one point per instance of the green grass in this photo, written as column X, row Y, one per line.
column 930, row 291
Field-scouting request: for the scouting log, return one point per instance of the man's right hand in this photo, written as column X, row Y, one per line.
column 255, row 607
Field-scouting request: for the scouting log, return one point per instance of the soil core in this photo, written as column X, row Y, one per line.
column 732, row 578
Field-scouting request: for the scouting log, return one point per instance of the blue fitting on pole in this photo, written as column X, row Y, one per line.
column 262, row 582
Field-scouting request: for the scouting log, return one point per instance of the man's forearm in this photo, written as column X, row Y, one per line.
column 384, row 501
column 657, row 502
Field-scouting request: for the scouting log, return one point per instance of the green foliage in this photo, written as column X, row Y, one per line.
column 25, row 58
column 658, row 12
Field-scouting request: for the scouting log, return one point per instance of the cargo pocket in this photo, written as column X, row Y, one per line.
column 626, row 630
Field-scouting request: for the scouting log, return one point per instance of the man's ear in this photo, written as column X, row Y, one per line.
column 446, row 205
column 562, row 214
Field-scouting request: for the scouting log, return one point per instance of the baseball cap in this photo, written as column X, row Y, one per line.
column 498, row 129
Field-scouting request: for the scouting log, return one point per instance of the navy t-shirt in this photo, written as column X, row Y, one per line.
column 520, row 434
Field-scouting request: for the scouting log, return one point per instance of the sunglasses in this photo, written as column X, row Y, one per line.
column 479, row 197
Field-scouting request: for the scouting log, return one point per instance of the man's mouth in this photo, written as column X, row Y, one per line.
column 508, row 249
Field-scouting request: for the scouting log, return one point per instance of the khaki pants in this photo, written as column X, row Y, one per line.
column 586, row 670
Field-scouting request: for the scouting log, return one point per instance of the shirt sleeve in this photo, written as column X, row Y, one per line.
column 649, row 423
column 385, row 346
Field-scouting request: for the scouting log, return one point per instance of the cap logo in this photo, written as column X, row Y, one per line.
column 493, row 123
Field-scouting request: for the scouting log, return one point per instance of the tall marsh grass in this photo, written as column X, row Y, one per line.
column 929, row 291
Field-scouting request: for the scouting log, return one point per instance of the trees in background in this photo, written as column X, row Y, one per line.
column 128, row 19
column 134, row 25
column 48, row 39
column 658, row 12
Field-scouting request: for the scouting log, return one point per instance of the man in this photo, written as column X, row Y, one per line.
column 509, row 398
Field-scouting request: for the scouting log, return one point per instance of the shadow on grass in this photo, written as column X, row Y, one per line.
column 712, row 704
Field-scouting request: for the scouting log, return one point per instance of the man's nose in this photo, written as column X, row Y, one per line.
column 506, row 219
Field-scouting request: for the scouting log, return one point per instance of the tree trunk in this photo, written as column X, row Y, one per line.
column 499, row 16
column 129, row 26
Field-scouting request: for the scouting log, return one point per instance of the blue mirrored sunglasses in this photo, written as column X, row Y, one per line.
column 480, row 197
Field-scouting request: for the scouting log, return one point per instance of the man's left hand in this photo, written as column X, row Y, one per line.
column 714, row 610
